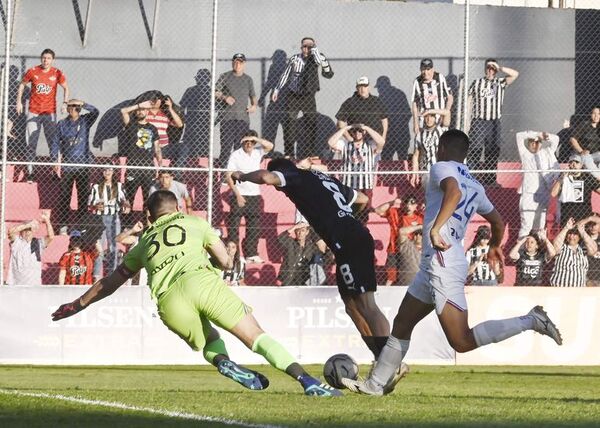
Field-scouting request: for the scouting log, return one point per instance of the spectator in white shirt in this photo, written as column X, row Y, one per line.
column 166, row 182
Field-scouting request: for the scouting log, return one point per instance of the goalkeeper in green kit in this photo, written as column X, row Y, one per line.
column 190, row 294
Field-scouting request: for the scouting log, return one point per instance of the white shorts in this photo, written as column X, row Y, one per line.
column 438, row 285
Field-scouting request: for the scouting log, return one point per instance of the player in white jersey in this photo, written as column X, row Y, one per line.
column 453, row 196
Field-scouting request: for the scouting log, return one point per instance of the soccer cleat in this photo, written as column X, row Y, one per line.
column 544, row 325
column 314, row 387
column 400, row 373
column 242, row 375
column 359, row 386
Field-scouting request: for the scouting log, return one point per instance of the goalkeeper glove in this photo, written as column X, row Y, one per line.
column 67, row 309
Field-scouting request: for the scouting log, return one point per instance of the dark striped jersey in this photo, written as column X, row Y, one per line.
column 427, row 141
column 570, row 267
column 360, row 160
column 488, row 96
column 78, row 266
column 484, row 271
column 431, row 95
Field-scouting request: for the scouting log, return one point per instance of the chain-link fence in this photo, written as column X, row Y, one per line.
column 160, row 94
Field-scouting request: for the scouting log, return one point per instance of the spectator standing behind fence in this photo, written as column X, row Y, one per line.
column 72, row 142
column 77, row 265
column 575, row 188
column 392, row 212
column 236, row 274
column 234, row 89
column 537, row 151
column 427, row 141
column 480, row 270
column 44, row 80
column 107, row 199
column 129, row 238
column 586, row 138
column 532, row 253
column 245, row 196
column 410, row 244
column 25, row 264
column 593, row 229
column 430, row 91
column 302, row 78
column 571, row 263
column 486, row 96
column 142, row 146
column 363, row 107
column 300, row 250
column 167, row 182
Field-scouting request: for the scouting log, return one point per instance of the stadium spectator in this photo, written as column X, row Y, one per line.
column 410, row 244
column 44, row 80
column 166, row 182
column 363, row 107
column 486, row 96
column 392, row 211
column 532, row 254
column 586, row 138
column 77, row 265
column 234, row 89
column 25, row 264
column 480, row 270
column 430, row 91
column 72, row 142
column 575, row 188
column 107, row 200
column 299, row 251
column 427, row 141
column 141, row 142
column 302, row 78
column 359, row 155
column 593, row 229
column 245, row 197
column 537, row 151
column 129, row 238
column 235, row 275
column 571, row 263
column 188, row 300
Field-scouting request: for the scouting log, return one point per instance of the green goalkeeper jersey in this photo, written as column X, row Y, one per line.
column 173, row 245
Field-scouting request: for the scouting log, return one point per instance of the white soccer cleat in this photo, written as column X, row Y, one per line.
column 544, row 325
column 360, row 386
column 402, row 371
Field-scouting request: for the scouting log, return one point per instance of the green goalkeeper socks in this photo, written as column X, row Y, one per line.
column 273, row 352
column 213, row 349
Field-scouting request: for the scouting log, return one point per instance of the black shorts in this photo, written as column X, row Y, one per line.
column 354, row 252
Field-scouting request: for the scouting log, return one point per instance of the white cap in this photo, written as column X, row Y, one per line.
column 362, row 80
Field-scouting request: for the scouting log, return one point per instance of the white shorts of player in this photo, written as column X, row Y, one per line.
column 437, row 285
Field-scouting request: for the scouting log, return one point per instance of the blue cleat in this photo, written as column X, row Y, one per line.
column 245, row 377
column 314, row 387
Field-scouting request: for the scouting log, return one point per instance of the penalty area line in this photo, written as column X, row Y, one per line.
column 123, row 406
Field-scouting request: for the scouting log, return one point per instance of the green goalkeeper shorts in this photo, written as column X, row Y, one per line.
column 195, row 299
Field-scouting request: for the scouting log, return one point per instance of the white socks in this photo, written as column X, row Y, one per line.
column 498, row 330
column 389, row 360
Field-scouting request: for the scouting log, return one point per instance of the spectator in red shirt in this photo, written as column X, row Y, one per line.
column 76, row 265
column 44, row 80
column 392, row 211
column 412, row 215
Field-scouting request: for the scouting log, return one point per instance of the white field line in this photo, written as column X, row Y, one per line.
column 123, row 406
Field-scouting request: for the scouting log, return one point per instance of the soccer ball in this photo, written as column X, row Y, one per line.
column 339, row 366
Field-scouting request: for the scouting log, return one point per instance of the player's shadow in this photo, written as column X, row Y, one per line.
column 195, row 103
column 399, row 114
column 325, row 128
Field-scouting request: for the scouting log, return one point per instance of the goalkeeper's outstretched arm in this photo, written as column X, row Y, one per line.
column 101, row 289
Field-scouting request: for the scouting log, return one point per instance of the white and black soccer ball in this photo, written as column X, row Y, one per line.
column 339, row 366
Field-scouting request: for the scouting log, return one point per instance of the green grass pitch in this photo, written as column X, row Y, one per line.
column 431, row 396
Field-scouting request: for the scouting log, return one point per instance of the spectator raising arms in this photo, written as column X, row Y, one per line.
column 25, row 264
column 531, row 254
column 299, row 251
column 427, row 141
column 571, row 265
column 593, row 229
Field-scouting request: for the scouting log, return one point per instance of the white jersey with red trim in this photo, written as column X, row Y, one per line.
column 473, row 200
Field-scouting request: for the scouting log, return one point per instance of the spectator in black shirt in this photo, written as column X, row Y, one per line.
column 302, row 78
column 586, row 139
column 593, row 229
column 299, row 252
column 141, row 142
column 531, row 254
column 362, row 107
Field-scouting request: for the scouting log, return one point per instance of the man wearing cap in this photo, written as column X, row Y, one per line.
column 25, row 264
column 484, row 106
column 72, row 142
column 575, row 189
column 537, row 151
column 362, row 107
column 426, row 144
column 430, row 91
column 234, row 89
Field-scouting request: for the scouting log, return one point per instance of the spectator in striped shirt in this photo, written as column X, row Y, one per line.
column 363, row 107
column 76, row 265
column 586, row 139
column 301, row 76
column 486, row 96
column 430, row 91
column 571, row 263
column 480, row 270
column 531, row 254
column 427, row 141
column 235, row 275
